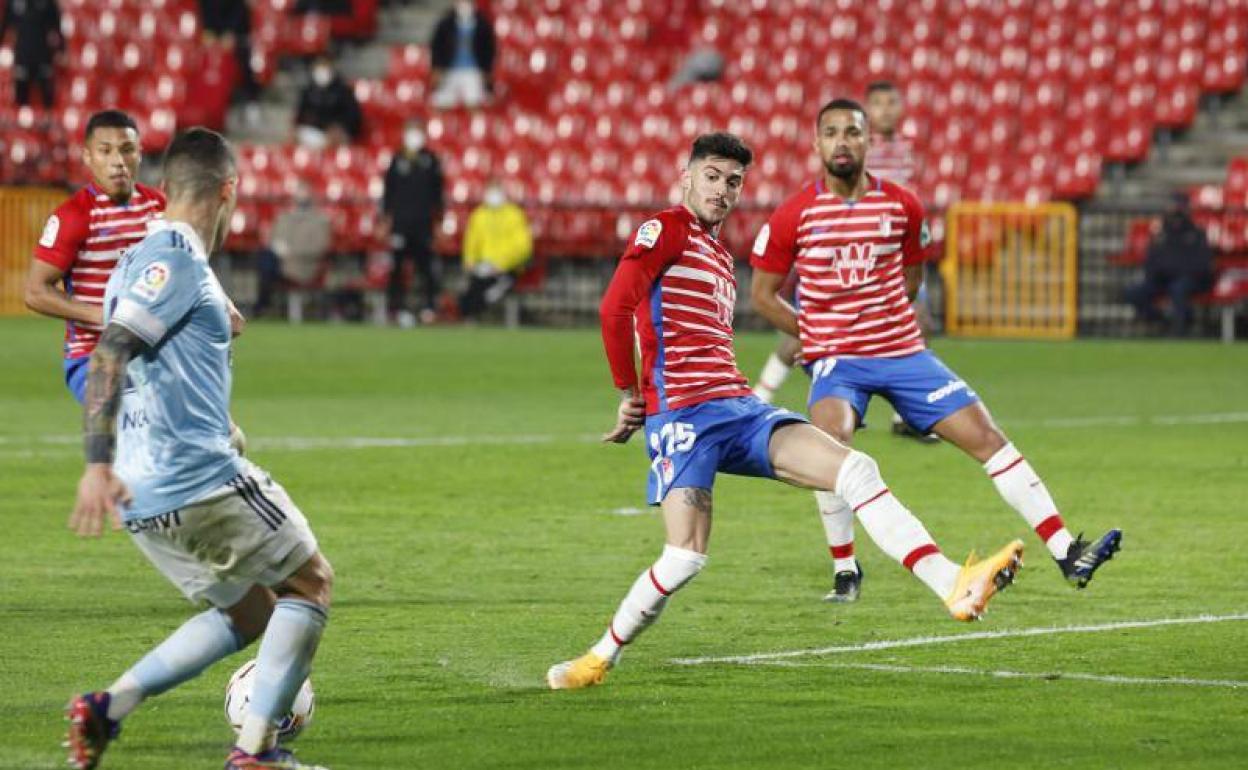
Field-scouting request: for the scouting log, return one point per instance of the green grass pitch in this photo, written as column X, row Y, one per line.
column 492, row 540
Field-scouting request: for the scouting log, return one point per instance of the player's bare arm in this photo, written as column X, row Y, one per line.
column 630, row 417
column 238, row 321
column 99, row 490
column 914, row 280
column 45, row 294
column 765, row 296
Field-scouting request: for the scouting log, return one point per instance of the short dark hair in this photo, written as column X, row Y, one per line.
column 197, row 162
column 881, row 85
column 108, row 119
column 722, row 144
column 840, row 103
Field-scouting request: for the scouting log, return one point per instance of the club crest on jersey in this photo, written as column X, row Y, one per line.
column 48, row 238
column 151, row 281
column 853, row 264
column 648, row 233
column 886, row 226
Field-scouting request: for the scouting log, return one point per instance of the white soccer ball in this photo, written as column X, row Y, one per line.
column 238, row 695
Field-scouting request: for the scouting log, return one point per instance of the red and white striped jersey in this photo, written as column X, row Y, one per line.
column 84, row 238
column 849, row 257
column 893, row 159
column 673, row 292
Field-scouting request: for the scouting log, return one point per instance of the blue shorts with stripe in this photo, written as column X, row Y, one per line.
column 726, row 435
column 76, row 377
column 920, row 387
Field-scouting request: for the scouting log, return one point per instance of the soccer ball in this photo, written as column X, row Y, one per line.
column 238, row 695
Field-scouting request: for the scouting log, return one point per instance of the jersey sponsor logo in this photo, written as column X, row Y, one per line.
column 946, row 390
column 132, row 420
column 760, row 243
column 853, row 264
column 648, row 233
column 48, row 238
column 158, row 523
column 152, row 281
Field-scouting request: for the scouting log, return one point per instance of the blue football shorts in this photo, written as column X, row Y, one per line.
column 728, row 435
column 920, row 387
column 76, row 377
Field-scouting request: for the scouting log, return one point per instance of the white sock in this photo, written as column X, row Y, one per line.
column 1022, row 488
column 893, row 528
column 838, row 525
column 774, row 373
column 647, row 598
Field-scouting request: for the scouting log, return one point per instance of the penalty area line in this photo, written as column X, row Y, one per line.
column 927, row 641
column 1005, row 674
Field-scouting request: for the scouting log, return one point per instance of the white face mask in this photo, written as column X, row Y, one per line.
column 413, row 141
column 322, row 76
column 494, row 197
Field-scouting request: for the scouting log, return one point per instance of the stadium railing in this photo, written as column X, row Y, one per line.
column 23, row 214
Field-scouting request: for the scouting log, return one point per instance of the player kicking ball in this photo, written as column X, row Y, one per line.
column 674, row 289
column 857, row 242
column 216, row 525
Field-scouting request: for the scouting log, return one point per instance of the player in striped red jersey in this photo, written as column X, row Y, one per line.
column 857, row 244
column 674, row 293
column 87, row 234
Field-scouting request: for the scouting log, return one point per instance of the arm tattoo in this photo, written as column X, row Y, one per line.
column 105, row 375
column 699, row 499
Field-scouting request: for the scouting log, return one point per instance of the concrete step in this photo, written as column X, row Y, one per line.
column 365, row 62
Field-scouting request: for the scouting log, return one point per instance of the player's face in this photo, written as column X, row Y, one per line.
column 842, row 142
column 713, row 187
column 884, row 111
column 112, row 155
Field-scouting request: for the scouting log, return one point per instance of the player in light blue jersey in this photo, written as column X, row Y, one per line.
column 156, row 435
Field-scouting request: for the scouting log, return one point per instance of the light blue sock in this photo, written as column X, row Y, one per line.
column 285, row 657
column 196, row 645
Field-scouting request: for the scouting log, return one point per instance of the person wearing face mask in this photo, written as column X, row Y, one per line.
column 497, row 245
column 328, row 112
column 298, row 246
column 462, row 55
column 411, row 205
column 1177, row 265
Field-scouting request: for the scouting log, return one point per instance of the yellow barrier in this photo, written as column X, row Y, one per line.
column 1011, row 270
column 23, row 213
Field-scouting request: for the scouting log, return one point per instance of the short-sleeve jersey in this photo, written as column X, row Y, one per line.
column 849, row 256
column 84, row 238
column 677, row 282
column 173, row 432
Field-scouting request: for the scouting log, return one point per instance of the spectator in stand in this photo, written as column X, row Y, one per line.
column 298, row 247
column 411, row 206
column 328, row 112
column 37, row 41
column 462, row 57
column 1178, row 265
column 229, row 22
column 497, row 245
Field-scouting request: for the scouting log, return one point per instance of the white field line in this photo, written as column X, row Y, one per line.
column 927, row 641
column 305, row 443
column 999, row 674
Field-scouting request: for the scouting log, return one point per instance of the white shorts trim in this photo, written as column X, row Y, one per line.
column 244, row 533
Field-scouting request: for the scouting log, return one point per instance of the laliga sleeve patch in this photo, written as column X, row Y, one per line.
column 151, row 281
column 925, row 235
column 50, row 230
column 648, row 233
column 760, row 243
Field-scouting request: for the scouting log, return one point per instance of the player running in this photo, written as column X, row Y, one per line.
column 857, row 244
column 890, row 156
column 87, row 234
column 674, row 291
column 216, row 525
